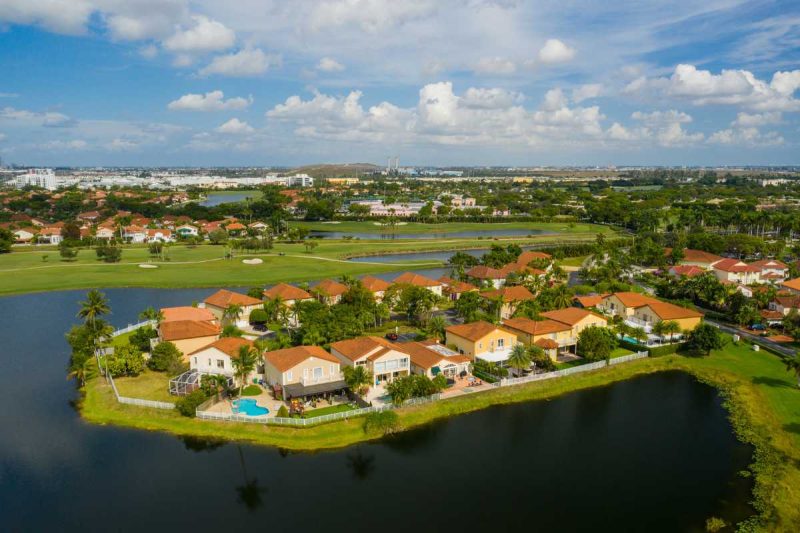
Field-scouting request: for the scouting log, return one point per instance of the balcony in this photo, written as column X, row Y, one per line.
column 323, row 379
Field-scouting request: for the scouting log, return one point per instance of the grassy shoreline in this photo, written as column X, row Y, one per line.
column 762, row 400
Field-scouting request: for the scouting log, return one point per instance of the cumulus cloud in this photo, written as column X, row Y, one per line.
column 236, row 127
column 495, row 65
column 211, row 101
column 205, row 35
column 59, row 145
column 328, row 64
column 729, row 87
column 555, row 51
column 665, row 127
column 121, row 145
column 747, row 136
column 586, row 92
column 247, row 62
column 60, row 16
column 370, row 16
column 48, row 119
column 748, row 120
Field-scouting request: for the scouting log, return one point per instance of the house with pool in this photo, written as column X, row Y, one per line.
column 481, row 340
column 303, row 372
column 217, row 358
column 429, row 358
column 385, row 360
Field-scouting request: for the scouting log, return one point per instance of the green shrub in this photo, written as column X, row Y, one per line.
column 187, row 405
column 385, row 422
column 667, row 349
column 141, row 338
column 251, row 390
column 283, row 412
column 165, row 358
column 126, row 361
column 258, row 316
column 715, row 524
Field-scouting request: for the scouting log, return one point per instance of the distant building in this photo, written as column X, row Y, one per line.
column 38, row 177
column 300, row 180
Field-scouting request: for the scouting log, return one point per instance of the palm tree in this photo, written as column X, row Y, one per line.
column 519, row 359
column 793, row 365
column 659, row 328
column 639, row 334
column 233, row 312
column 94, row 307
column 562, row 297
column 152, row 315
column 436, row 326
column 358, row 379
column 245, row 364
column 671, row 327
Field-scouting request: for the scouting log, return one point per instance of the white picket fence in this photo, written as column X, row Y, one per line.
column 303, row 422
column 505, row 382
column 132, row 327
column 137, row 401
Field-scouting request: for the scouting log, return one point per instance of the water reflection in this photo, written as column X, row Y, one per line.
column 250, row 492
column 361, row 463
column 201, row 444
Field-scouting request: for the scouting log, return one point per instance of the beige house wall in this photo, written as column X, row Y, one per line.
column 330, row 372
column 187, row 346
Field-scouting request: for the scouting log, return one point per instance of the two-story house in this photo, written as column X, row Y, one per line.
column 385, row 360
column 303, row 372
column 481, row 340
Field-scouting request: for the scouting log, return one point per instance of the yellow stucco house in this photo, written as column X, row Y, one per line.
column 481, row 340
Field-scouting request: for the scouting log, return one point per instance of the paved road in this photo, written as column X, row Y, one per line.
column 772, row 345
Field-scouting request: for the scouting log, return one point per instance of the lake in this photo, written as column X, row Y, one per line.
column 430, row 236
column 655, row 453
column 217, row 198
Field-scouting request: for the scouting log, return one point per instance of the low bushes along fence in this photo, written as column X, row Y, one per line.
column 572, row 370
column 654, row 351
column 133, row 327
column 303, row 422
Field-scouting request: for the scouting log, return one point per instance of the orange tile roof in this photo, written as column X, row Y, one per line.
column 223, row 298
column 689, row 271
column 422, row 356
column 793, row 284
column 546, row 344
column 455, row 286
column 329, row 287
column 632, row 299
column 485, row 272
column 187, row 329
column 569, row 315
column 284, row 291
column 235, row 226
column 373, row 284
column 411, row 278
column 769, row 264
column 734, row 265
column 171, row 314
column 536, row 327
column 473, row 331
column 668, row 311
column 227, row 345
column 289, row 358
column 355, row 349
column 590, row 300
column 695, row 256
column 516, row 293
column 526, row 257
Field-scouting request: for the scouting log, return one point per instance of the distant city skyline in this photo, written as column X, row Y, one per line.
column 434, row 82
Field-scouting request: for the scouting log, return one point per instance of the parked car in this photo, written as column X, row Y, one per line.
column 391, row 336
column 259, row 327
column 758, row 327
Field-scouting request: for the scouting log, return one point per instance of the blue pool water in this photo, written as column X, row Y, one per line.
column 630, row 339
column 249, row 407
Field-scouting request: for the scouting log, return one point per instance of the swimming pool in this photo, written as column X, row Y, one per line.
column 630, row 339
column 249, row 407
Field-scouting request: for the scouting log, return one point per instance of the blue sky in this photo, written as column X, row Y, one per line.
column 435, row 82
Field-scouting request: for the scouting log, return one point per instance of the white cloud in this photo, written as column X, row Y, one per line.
column 490, row 98
column 60, row 16
column 205, row 35
column 49, row 119
column 747, row 120
column 328, row 64
column 495, row 65
column 370, row 16
column 663, row 127
column 141, row 19
column 211, row 101
column 148, row 52
column 729, row 87
column 746, row 136
column 586, row 92
column 121, row 145
column 247, row 62
column 9, row 95
column 236, row 127
column 76, row 144
column 555, row 51
column 662, row 117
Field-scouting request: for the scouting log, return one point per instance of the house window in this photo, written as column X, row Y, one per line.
column 333, row 370
column 220, row 363
column 209, row 362
column 480, row 346
column 288, row 376
column 501, row 343
column 318, row 372
column 195, row 361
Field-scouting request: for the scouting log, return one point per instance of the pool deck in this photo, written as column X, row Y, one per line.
column 264, row 399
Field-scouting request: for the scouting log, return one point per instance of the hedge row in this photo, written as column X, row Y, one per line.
column 653, row 351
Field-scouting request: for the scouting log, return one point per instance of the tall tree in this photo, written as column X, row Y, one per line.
column 244, row 364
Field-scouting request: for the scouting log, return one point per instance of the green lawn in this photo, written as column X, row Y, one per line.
column 148, row 385
column 762, row 396
column 204, row 266
column 573, row 261
column 322, row 411
column 620, row 352
column 371, row 226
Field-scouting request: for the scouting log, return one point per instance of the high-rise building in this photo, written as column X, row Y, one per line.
column 39, row 177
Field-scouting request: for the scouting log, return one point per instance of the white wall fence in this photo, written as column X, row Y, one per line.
column 303, row 422
column 132, row 327
column 505, row 382
column 137, row 401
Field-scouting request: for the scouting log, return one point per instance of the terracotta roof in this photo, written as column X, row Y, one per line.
column 668, row 311
column 284, row 291
column 536, row 327
column 373, row 284
column 473, row 331
column 485, row 272
column 632, row 299
column 411, row 278
column 355, row 349
column 227, row 345
column 569, row 315
column 791, row 302
column 187, row 329
column 516, row 293
column 422, row 356
column 223, row 298
column 329, row 287
column 689, row 271
column 590, row 300
column 793, row 284
column 289, row 358
column 771, row 315
column 695, row 256
column 455, row 286
column 546, row 344
column 734, row 265
column 526, row 257
column 172, row 314
column 769, row 264
column 235, row 226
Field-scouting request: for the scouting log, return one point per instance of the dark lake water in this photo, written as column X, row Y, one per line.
column 213, row 199
column 651, row 454
column 429, row 236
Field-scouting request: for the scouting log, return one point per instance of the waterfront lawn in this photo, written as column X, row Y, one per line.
column 322, row 411
column 372, row 226
column 148, row 385
column 620, row 352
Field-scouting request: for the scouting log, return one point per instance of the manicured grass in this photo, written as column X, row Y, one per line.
column 122, row 340
column 573, row 261
column 372, row 226
column 252, row 390
column 763, row 398
column 148, row 385
column 620, row 352
column 322, row 411
column 204, row 266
